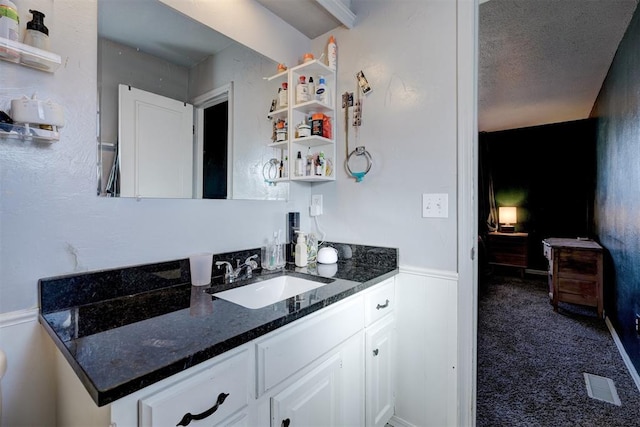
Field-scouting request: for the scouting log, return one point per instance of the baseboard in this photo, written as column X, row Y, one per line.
column 438, row 274
column 399, row 422
column 625, row 357
column 17, row 317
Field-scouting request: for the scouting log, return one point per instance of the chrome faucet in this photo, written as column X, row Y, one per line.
column 232, row 274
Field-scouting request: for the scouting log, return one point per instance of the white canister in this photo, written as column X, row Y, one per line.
column 9, row 28
column 304, row 130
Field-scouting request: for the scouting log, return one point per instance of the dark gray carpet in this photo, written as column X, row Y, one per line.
column 531, row 361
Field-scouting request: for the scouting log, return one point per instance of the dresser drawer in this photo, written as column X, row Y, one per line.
column 288, row 350
column 213, row 393
column 379, row 301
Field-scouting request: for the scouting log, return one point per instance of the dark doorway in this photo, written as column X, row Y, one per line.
column 215, row 155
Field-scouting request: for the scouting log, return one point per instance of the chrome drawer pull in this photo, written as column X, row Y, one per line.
column 385, row 305
column 188, row 417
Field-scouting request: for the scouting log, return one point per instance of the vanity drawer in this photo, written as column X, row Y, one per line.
column 379, row 301
column 217, row 391
column 288, row 350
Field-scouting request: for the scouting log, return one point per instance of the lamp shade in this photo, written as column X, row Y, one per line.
column 507, row 215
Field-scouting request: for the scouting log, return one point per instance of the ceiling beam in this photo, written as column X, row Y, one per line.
column 340, row 11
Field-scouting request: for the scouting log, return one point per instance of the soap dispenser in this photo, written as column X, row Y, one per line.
column 301, row 250
column 37, row 34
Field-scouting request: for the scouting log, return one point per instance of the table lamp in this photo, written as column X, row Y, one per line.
column 508, row 218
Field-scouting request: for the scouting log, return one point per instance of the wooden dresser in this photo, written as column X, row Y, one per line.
column 508, row 249
column 575, row 272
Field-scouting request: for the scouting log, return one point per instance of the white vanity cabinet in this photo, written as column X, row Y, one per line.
column 332, row 367
column 379, row 354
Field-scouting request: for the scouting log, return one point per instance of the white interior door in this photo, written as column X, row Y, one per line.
column 156, row 145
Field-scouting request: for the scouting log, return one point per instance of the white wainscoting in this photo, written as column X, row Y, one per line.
column 426, row 348
column 28, row 387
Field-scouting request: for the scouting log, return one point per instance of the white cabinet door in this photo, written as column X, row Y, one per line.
column 315, row 400
column 380, row 382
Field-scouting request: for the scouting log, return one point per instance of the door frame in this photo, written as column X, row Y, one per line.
column 200, row 103
column 467, row 130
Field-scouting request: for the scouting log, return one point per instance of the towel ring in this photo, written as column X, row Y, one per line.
column 360, row 151
column 271, row 173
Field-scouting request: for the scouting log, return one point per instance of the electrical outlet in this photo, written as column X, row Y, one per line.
column 435, row 205
column 638, row 324
column 315, row 208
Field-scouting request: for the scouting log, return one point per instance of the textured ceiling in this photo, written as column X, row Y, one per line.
column 544, row 61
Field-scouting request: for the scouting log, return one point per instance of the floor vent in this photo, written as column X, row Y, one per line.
column 601, row 388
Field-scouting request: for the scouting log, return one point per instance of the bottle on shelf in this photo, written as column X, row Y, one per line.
column 322, row 92
column 311, row 88
column 302, row 91
column 299, row 165
column 9, row 28
column 283, row 96
column 332, row 53
column 36, row 35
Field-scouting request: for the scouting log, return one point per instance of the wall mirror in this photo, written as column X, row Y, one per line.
column 156, row 65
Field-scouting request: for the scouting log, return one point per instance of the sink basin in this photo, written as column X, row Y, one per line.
column 267, row 292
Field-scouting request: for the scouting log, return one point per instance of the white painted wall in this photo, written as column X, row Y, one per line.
column 52, row 223
column 407, row 52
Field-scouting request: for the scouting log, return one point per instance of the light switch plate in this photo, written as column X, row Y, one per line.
column 435, row 205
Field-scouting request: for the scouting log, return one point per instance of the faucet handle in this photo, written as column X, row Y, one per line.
column 228, row 267
column 250, row 261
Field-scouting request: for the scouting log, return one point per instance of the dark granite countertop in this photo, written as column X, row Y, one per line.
column 124, row 329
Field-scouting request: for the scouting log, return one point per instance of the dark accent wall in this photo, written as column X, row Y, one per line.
column 548, row 173
column 617, row 196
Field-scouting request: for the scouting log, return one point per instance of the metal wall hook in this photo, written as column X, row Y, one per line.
column 360, row 151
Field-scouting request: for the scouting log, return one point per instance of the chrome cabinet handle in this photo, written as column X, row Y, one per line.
column 375, row 352
column 385, row 305
column 188, row 417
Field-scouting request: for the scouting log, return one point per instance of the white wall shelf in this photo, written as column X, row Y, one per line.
column 26, row 132
column 29, row 56
column 295, row 114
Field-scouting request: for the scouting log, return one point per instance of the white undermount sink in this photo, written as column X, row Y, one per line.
column 267, row 292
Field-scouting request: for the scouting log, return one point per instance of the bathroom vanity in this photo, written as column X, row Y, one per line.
column 152, row 350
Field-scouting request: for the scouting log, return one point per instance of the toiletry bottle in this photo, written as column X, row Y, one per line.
column 332, row 53
column 302, row 91
column 299, row 165
column 283, row 96
column 301, row 250
column 37, row 35
column 9, row 28
column 285, row 168
column 311, row 88
column 321, row 91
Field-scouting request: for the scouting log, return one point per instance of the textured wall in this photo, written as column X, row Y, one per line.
column 407, row 52
column 617, row 201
